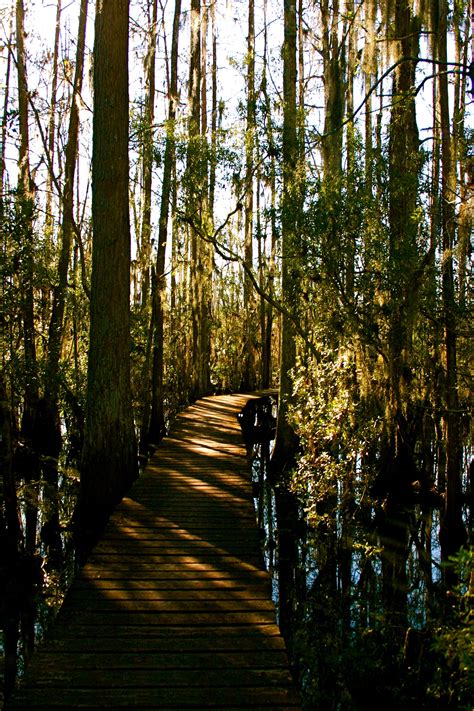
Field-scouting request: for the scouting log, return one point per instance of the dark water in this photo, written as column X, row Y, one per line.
column 359, row 610
column 332, row 610
column 34, row 580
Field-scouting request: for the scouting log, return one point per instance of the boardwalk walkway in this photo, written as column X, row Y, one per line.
column 173, row 608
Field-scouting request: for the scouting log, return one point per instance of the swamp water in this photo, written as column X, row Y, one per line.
column 330, row 607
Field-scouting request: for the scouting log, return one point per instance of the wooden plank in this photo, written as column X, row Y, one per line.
column 192, row 642
column 156, row 605
column 163, row 555
column 170, row 619
column 177, row 698
column 98, row 567
column 196, row 660
column 92, row 597
column 164, row 631
column 157, row 678
column 196, row 586
column 172, row 572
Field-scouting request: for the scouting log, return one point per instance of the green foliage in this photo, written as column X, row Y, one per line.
column 352, row 399
column 226, row 356
column 335, row 426
column 455, row 641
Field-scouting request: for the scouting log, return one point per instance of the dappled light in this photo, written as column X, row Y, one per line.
column 173, row 601
column 226, row 220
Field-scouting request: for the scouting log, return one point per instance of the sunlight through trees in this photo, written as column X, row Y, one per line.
column 215, row 197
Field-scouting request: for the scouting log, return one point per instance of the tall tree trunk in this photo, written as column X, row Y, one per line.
column 52, row 124
column 157, row 421
column 452, row 531
column 144, row 240
column 266, row 307
column 285, row 438
column 398, row 462
column 197, row 193
column 369, row 67
column 466, row 170
column 205, row 260
column 249, row 345
column 333, row 71
column 6, row 100
column 56, row 325
column 285, row 443
column 213, row 160
column 109, row 463
column 25, row 209
column 403, row 187
column 147, row 158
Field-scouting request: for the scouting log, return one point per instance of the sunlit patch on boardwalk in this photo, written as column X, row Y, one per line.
column 173, row 608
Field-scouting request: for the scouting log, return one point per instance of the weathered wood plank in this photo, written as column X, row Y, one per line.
column 84, row 598
column 156, row 678
column 207, row 561
column 183, row 660
column 155, row 698
column 192, row 584
column 192, row 642
column 170, row 619
column 172, row 572
column 164, row 632
column 111, row 607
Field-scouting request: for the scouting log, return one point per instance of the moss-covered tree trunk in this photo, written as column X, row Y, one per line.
column 397, row 460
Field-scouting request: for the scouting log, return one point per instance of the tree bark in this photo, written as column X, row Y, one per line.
column 249, row 346
column 147, row 158
column 197, row 208
column 157, row 420
column 267, row 315
column 109, row 463
column 52, row 123
column 285, row 437
column 56, row 325
column 452, row 531
column 397, row 463
column 3, row 143
column 25, row 210
column 285, row 442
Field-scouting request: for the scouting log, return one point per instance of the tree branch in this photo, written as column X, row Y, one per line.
column 231, row 256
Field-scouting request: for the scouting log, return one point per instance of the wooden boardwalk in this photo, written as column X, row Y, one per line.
column 173, row 608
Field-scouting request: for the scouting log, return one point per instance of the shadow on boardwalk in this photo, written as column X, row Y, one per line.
column 173, row 608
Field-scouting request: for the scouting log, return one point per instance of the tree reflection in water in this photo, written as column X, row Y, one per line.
column 38, row 559
column 333, row 615
column 338, row 598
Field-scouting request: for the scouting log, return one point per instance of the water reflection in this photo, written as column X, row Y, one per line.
column 357, row 586
column 37, row 561
column 258, row 423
